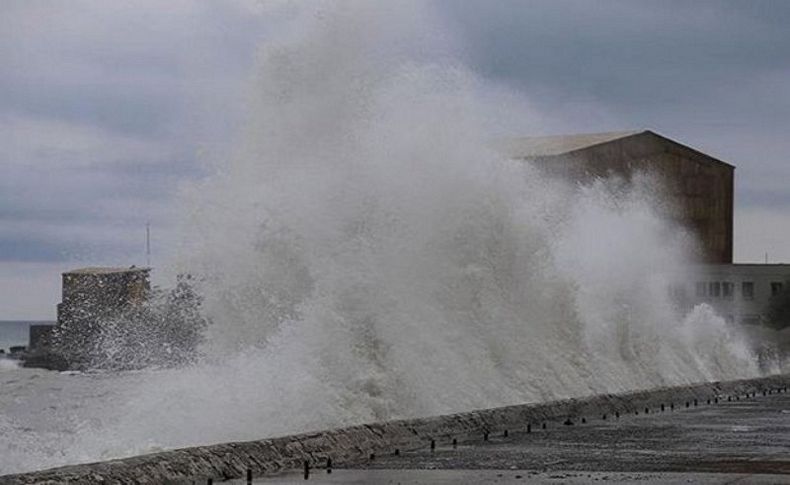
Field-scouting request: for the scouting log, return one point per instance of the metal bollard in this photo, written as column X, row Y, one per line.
column 584, row 420
column 329, row 464
column 504, row 434
column 455, row 443
column 433, row 445
column 249, row 476
column 695, row 403
column 372, row 456
column 485, row 436
column 396, row 452
column 529, row 428
column 603, row 417
column 210, row 481
column 662, row 408
column 543, row 426
column 647, row 410
column 617, row 414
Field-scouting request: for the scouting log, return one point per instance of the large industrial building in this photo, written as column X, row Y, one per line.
column 700, row 189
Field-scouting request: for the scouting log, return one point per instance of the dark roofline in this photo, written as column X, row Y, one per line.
column 103, row 270
column 686, row 147
column 746, row 264
column 625, row 135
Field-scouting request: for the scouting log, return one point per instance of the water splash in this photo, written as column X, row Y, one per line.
column 365, row 255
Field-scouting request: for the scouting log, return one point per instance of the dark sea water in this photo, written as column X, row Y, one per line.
column 16, row 332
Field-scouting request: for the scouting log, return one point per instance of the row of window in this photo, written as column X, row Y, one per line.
column 745, row 319
column 726, row 289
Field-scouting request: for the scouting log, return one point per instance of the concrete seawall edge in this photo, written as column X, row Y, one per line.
column 356, row 443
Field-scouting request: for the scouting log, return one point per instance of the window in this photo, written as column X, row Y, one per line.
column 702, row 289
column 776, row 288
column 750, row 319
column 747, row 290
column 677, row 292
column 714, row 289
column 727, row 290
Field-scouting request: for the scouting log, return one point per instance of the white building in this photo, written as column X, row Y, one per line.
column 739, row 292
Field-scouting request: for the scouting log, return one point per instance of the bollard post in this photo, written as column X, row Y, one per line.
column 329, row 464
column 529, row 428
column 372, row 456
column 584, row 420
column 647, row 410
column 672, row 406
column 504, row 434
column 662, row 408
column 485, row 436
column 695, row 403
column 455, row 443
column 210, row 481
column 687, row 404
column 397, row 452
column 249, row 476
column 433, row 445
column 544, row 425
column 306, row 469
column 617, row 414
column 603, row 417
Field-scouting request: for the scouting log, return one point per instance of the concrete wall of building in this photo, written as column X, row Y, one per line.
column 90, row 296
column 39, row 337
column 355, row 444
column 699, row 188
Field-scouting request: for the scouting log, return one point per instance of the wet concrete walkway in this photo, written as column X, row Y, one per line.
column 744, row 441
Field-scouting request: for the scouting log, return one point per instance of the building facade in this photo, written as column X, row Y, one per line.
column 90, row 296
column 741, row 293
column 700, row 193
column 698, row 188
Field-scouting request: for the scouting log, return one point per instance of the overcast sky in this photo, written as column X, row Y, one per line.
column 106, row 107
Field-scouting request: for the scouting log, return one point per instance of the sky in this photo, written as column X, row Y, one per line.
column 106, row 108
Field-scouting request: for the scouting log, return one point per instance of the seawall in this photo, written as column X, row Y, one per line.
column 357, row 443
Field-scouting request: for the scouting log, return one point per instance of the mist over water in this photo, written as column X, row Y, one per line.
column 364, row 254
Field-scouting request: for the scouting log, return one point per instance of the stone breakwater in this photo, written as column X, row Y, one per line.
column 356, row 444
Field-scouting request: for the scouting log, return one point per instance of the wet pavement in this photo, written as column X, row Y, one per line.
column 744, row 441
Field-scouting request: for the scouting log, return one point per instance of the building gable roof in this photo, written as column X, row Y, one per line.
column 543, row 147
column 547, row 146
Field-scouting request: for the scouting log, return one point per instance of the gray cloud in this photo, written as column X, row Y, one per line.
column 712, row 74
column 104, row 106
column 103, row 109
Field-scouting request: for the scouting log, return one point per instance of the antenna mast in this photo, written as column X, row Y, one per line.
column 148, row 244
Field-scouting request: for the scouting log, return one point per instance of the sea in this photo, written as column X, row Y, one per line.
column 16, row 332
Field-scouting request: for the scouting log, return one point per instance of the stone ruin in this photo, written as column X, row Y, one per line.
column 111, row 318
